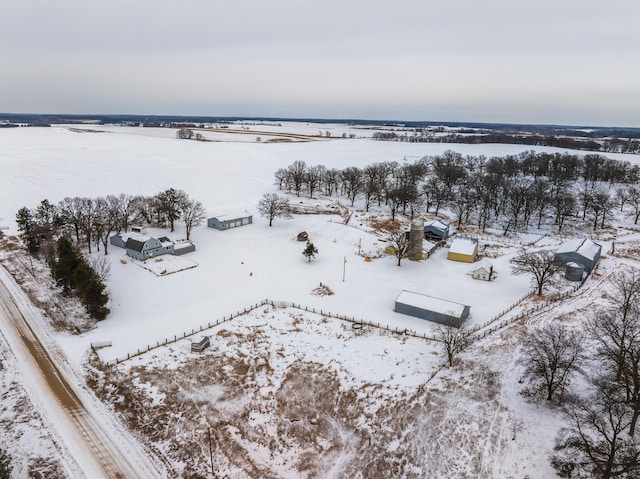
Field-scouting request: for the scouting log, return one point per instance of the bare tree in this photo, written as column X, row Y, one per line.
column 193, row 214
column 170, row 203
column 351, row 178
column 274, row 206
column 550, row 355
column 296, row 173
column 184, row 134
column 106, row 220
column 617, row 334
column 330, row 178
column 399, row 240
column 539, row 264
column 454, row 339
column 564, row 204
column 89, row 212
column 600, row 205
column 594, row 443
column 634, row 201
column 312, row 178
column 101, row 266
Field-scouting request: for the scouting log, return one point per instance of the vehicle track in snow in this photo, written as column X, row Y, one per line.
column 95, row 452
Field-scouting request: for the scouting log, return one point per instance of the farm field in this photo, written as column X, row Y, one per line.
column 287, row 392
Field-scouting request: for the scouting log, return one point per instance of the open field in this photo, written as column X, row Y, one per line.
column 285, row 392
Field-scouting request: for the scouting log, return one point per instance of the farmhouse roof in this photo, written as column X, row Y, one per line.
column 431, row 303
column 134, row 245
column 464, row 246
column 165, row 241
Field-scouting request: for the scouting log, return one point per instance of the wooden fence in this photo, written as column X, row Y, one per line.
column 277, row 304
column 474, row 334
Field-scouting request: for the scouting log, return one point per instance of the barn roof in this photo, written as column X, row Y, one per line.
column 464, row 246
column 437, row 224
column 583, row 246
column 431, row 303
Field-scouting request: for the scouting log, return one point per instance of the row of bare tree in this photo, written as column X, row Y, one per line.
column 511, row 192
column 94, row 220
column 610, row 144
column 600, row 438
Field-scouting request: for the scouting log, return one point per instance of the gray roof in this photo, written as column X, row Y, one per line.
column 134, row 245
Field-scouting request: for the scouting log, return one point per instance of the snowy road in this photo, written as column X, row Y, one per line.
column 96, row 444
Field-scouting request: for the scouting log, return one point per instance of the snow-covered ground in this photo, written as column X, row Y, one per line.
column 245, row 265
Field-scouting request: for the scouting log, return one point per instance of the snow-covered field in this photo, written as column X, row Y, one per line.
column 245, row 265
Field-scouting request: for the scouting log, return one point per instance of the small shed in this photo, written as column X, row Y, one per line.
column 582, row 251
column 433, row 309
column 463, row 249
column 224, row 221
column 483, row 271
column 428, row 248
column 436, row 230
column 574, row 272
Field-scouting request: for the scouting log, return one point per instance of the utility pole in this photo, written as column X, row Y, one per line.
column 344, row 268
column 210, row 450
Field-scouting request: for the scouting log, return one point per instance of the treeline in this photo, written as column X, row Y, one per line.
column 600, row 433
column 91, row 221
column 605, row 145
column 511, row 192
column 52, row 229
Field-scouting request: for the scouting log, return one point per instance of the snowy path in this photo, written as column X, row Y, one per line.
column 97, row 446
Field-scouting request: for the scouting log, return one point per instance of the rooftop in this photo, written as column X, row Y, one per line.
column 232, row 215
column 430, row 303
column 464, row 246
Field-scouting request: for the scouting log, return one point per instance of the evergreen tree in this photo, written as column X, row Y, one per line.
column 68, row 261
column 5, row 465
column 28, row 227
column 90, row 290
column 77, row 276
column 310, row 251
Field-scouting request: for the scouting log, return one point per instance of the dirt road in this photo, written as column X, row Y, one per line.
column 96, row 453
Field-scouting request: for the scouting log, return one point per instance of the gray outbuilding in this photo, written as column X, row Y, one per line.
column 433, row 309
column 581, row 251
column 224, row 221
column 436, row 230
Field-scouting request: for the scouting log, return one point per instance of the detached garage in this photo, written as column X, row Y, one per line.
column 432, row 309
column 224, row 221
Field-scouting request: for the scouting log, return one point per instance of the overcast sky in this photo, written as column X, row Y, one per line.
column 543, row 61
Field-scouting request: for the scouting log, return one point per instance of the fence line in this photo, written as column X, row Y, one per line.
column 472, row 337
column 277, row 304
column 519, row 316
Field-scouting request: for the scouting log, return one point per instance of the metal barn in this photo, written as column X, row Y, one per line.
column 433, row 309
column 224, row 221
